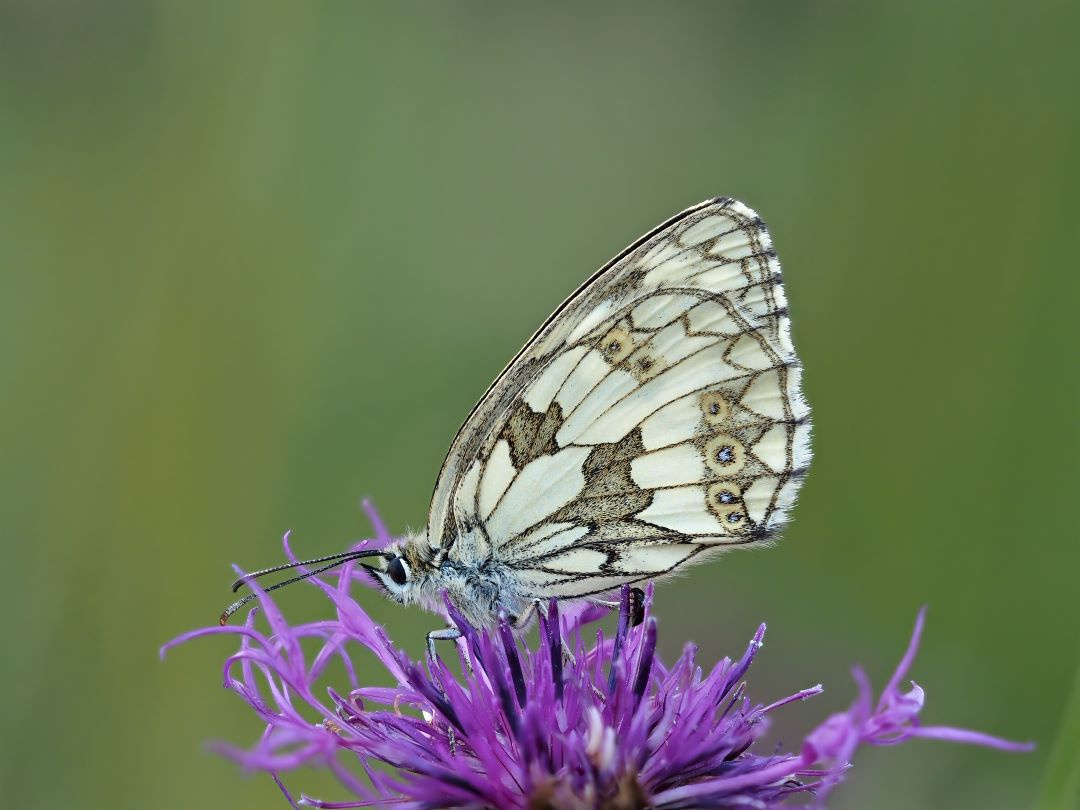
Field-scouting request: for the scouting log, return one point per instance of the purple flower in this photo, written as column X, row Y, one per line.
column 602, row 723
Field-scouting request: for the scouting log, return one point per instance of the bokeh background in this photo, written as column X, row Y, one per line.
column 259, row 261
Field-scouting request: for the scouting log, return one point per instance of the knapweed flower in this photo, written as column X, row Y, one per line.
column 579, row 721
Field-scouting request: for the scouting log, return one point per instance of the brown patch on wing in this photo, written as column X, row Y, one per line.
column 610, row 493
column 621, row 531
column 531, row 434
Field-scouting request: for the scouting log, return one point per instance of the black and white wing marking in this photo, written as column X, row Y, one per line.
column 656, row 415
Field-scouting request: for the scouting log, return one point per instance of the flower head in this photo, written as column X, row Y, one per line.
column 579, row 721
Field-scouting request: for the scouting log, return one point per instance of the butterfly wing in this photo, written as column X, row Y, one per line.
column 656, row 415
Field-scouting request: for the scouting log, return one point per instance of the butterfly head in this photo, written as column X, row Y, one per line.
column 403, row 570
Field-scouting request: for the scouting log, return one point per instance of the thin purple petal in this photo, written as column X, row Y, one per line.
column 567, row 723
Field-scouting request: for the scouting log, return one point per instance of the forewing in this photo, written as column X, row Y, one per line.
column 657, row 414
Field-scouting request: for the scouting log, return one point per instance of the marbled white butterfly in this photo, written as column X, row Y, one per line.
column 654, row 419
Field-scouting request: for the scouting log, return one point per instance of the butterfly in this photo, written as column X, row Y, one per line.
column 655, row 419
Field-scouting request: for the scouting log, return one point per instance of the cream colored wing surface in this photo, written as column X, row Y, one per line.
column 656, row 414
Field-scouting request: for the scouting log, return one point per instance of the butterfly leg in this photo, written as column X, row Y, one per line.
column 637, row 605
column 446, row 634
column 523, row 620
column 540, row 609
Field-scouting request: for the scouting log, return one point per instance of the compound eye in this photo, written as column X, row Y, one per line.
column 397, row 571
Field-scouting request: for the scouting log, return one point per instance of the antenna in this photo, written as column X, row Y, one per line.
column 331, row 560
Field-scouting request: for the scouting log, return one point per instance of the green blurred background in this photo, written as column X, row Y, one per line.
column 259, row 261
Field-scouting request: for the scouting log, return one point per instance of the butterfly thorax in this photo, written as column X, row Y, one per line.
column 479, row 588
